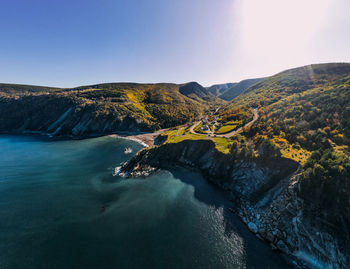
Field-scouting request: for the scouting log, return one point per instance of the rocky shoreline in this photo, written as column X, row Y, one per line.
column 145, row 139
column 264, row 193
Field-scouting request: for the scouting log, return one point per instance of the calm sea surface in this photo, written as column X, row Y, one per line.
column 61, row 207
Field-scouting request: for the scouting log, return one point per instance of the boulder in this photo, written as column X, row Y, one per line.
column 252, row 227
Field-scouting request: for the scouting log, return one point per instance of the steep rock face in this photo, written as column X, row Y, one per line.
column 245, row 177
column 279, row 218
column 265, row 192
column 62, row 116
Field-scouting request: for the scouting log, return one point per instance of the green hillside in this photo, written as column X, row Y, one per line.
column 305, row 115
column 19, row 89
column 219, row 89
column 291, row 82
column 98, row 109
column 196, row 92
column 238, row 88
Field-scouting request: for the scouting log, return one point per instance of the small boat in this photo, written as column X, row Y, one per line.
column 127, row 150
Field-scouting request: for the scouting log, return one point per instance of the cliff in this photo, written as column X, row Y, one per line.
column 96, row 109
column 63, row 116
column 265, row 191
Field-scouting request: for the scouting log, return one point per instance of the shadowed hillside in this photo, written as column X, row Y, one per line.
column 219, row 89
column 100, row 108
column 238, row 88
column 196, row 91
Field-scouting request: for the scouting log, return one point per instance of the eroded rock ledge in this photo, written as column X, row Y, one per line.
column 265, row 193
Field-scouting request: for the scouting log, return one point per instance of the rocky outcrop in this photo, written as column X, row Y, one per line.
column 265, row 192
column 279, row 218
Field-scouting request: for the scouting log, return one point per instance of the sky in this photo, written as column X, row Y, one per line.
column 66, row 43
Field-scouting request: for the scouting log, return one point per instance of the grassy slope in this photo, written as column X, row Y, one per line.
column 182, row 133
column 226, row 129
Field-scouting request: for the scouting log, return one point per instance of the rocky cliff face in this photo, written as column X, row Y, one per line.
column 63, row 116
column 265, row 192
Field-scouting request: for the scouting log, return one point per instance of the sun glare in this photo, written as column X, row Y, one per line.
column 277, row 31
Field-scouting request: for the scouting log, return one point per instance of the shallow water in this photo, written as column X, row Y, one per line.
column 60, row 207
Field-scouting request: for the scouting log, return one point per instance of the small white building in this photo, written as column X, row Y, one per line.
column 205, row 127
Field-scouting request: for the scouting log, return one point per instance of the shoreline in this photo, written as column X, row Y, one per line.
column 145, row 139
column 131, row 138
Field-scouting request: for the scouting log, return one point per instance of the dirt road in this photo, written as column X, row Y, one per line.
column 230, row 134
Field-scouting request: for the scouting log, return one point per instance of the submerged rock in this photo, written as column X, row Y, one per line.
column 252, row 227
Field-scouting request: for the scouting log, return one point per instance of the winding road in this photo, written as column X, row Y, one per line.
column 230, row 134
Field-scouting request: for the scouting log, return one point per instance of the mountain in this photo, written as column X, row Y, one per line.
column 293, row 81
column 219, row 89
column 99, row 109
column 238, row 88
column 229, row 91
column 196, row 91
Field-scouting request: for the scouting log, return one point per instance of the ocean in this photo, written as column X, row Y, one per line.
column 61, row 207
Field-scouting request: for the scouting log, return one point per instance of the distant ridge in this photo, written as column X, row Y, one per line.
column 219, row 89
column 229, row 91
column 238, row 88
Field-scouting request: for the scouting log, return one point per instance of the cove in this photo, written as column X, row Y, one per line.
column 61, row 207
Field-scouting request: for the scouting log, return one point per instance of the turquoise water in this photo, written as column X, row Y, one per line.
column 61, row 207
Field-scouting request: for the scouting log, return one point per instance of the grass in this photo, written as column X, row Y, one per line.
column 185, row 136
column 222, row 144
column 174, row 136
column 235, row 122
column 226, row 129
column 198, row 129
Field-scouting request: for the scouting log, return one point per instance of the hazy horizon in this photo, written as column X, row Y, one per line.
column 160, row 82
column 67, row 44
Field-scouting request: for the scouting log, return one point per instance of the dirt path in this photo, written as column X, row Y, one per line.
column 230, row 134
column 194, row 126
column 147, row 139
column 233, row 133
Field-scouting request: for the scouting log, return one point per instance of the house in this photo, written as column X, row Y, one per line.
column 205, row 127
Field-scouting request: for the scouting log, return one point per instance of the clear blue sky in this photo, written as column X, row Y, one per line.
column 77, row 42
